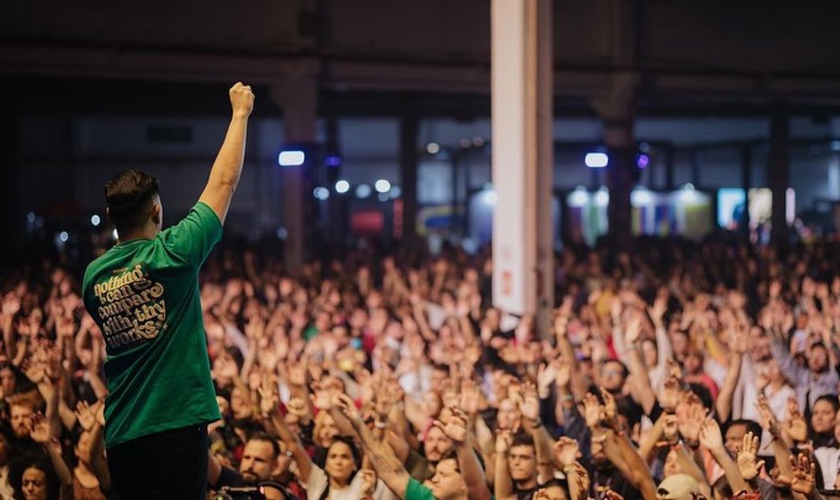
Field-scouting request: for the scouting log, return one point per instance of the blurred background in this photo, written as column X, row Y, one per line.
column 383, row 109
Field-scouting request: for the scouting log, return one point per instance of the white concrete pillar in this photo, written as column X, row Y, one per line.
column 523, row 159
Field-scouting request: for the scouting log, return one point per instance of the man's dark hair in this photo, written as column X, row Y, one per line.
column 263, row 436
column 522, row 439
column 129, row 198
column 625, row 372
column 751, row 425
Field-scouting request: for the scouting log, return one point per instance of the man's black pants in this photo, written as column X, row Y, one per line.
column 167, row 465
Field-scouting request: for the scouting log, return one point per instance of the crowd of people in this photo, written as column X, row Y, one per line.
column 679, row 371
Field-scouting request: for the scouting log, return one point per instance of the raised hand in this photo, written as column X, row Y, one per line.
column 739, row 341
column 710, row 436
column 657, row 311
column 255, row 328
column 633, row 329
column 546, row 375
column 768, row 419
column 795, row 426
column 610, row 416
column 40, row 429
column 529, row 404
column 566, row 451
column 11, row 304
column 324, row 396
column 347, row 407
column 560, row 322
column 748, row 464
column 455, row 427
column 669, row 397
column 503, row 441
column 470, row 398
column 593, row 412
column 383, row 402
column 564, row 374
column 690, row 426
column 241, row 100
column 298, row 407
column 368, row 481
column 269, row 394
column 85, row 415
column 804, row 475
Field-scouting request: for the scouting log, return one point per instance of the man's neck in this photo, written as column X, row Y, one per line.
column 527, row 484
column 146, row 233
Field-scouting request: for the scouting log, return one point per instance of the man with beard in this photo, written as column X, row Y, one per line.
column 261, row 461
column 435, row 445
column 815, row 380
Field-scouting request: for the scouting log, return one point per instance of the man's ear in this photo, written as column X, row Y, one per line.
column 156, row 213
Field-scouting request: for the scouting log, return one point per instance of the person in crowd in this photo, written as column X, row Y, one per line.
column 684, row 370
column 143, row 295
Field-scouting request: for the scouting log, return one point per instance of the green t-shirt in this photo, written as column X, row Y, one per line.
column 416, row 491
column 144, row 296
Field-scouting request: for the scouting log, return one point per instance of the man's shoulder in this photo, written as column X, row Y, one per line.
column 417, row 491
column 94, row 267
column 199, row 213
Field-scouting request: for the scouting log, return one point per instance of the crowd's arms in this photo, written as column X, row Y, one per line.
column 456, row 429
column 42, row 435
column 712, row 440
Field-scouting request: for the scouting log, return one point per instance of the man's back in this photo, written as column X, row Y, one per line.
column 144, row 296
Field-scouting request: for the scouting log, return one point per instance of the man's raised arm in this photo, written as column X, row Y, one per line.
column 385, row 463
column 224, row 176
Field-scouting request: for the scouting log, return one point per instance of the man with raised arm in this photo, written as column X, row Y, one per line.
column 143, row 294
column 447, row 484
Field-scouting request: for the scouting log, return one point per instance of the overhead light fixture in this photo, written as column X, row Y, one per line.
column 596, row 160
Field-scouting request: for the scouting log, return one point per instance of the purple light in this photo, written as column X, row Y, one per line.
column 332, row 161
column 643, row 161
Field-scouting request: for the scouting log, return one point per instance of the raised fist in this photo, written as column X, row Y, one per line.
column 241, row 99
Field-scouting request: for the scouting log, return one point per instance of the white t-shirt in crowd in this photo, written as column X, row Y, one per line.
column 318, row 481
